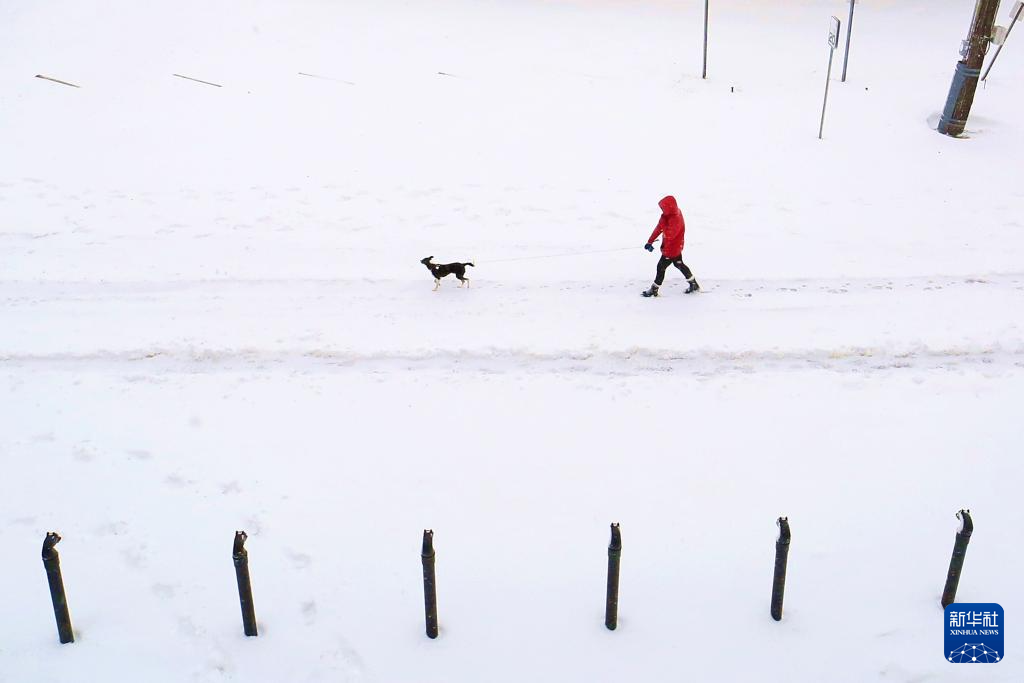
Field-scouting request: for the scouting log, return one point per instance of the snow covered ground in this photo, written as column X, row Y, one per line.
column 212, row 317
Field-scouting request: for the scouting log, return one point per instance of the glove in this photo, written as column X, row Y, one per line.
column 649, row 247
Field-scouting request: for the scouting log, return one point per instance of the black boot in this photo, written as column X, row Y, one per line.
column 653, row 291
column 694, row 287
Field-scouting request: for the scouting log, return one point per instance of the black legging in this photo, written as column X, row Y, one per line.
column 664, row 262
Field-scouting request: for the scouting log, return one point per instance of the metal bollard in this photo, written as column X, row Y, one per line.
column 241, row 560
column 51, row 561
column 611, row 606
column 429, row 583
column 956, row 562
column 781, row 559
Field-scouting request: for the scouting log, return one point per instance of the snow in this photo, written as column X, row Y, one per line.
column 213, row 317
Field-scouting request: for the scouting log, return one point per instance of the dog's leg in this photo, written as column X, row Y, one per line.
column 437, row 284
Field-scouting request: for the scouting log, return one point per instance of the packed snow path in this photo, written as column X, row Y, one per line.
column 889, row 322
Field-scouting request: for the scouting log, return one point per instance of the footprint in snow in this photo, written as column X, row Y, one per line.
column 83, row 454
column 177, row 481
column 253, row 525
column 188, row 628
column 136, row 557
column 112, row 529
column 309, row 612
column 164, row 590
column 299, row 560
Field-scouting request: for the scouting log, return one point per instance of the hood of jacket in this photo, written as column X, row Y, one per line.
column 668, row 205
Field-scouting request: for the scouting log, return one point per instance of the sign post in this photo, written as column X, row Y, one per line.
column 1015, row 12
column 704, row 73
column 849, row 30
column 833, row 41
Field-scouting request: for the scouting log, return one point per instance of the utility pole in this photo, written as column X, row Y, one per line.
column 965, row 78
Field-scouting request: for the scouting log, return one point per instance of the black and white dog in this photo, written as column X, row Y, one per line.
column 440, row 270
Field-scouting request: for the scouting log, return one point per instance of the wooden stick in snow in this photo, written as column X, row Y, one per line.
column 326, row 78
column 57, row 80
column 189, row 78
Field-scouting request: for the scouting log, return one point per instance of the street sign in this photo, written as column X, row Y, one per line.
column 833, row 42
column 833, row 33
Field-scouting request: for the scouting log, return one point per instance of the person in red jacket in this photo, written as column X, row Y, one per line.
column 672, row 229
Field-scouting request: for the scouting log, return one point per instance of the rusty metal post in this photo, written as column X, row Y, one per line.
column 956, row 562
column 429, row 583
column 51, row 561
column 240, row 556
column 781, row 560
column 611, row 605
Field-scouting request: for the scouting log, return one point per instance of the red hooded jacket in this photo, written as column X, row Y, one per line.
column 671, row 227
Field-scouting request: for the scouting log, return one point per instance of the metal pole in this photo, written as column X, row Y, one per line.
column 999, row 49
column 611, row 605
column 965, row 78
column 956, row 562
column 241, row 559
column 429, row 583
column 51, row 561
column 849, row 30
column 704, row 73
column 781, row 560
column 828, row 77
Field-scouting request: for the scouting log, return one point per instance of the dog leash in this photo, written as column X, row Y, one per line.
column 544, row 256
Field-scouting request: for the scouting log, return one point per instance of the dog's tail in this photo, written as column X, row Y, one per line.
column 468, row 264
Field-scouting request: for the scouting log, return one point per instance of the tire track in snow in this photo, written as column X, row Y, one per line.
column 632, row 361
column 42, row 290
